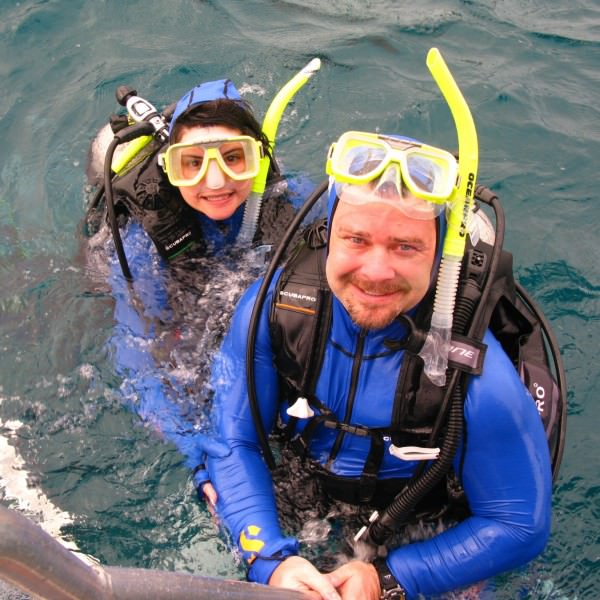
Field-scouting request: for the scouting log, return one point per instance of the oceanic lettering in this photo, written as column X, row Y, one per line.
column 298, row 296
column 178, row 240
column 470, row 193
column 470, row 185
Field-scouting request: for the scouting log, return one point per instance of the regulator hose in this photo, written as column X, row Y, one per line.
column 125, row 135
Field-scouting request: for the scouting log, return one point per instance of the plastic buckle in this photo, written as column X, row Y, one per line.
column 414, row 452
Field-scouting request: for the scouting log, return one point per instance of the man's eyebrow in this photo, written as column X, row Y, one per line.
column 353, row 230
column 358, row 232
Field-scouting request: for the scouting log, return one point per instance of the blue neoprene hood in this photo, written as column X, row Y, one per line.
column 205, row 92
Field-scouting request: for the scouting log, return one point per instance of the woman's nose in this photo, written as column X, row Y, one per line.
column 215, row 178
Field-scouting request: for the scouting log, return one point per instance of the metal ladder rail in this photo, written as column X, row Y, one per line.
column 38, row 564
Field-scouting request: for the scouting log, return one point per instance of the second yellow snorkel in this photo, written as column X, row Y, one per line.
column 437, row 345
column 270, row 125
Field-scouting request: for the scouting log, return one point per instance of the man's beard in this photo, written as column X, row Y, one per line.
column 374, row 316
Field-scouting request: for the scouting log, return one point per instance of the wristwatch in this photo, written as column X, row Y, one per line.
column 390, row 588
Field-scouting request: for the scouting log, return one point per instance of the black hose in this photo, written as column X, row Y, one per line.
column 125, row 135
column 402, row 505
column 110, row 206
column 256, row 312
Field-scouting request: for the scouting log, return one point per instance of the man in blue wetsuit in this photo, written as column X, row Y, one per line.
column 386, row 226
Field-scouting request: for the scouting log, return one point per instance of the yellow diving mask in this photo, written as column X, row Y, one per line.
column 416, row 178
column 187, row 163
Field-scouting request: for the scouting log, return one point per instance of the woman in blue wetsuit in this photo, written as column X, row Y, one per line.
column 361, row 437
column 195, row 213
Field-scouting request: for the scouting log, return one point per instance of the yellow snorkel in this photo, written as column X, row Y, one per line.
column 270, row 125
column 437, row 345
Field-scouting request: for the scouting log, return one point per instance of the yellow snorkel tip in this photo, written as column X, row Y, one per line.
column 468, row 155
column 275, row 112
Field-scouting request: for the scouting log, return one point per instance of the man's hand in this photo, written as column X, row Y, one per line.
column 356, row 579
column 297, row 573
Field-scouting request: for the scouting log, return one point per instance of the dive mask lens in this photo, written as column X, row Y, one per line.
column 416, row 178
column 357, row 157
column 430, row 173
column 187, row 163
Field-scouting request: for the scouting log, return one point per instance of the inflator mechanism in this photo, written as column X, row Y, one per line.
column 141, row 111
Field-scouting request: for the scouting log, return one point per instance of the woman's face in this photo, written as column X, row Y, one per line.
column 216, row 195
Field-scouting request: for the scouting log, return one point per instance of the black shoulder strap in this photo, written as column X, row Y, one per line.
column 301, row 313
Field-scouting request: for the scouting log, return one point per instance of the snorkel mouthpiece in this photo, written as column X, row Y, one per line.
column 270, row 125
column 437, row 345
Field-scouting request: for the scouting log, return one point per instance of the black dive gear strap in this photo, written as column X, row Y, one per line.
column 390, row 588
column 256, row 311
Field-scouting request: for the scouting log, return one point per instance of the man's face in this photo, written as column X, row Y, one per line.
column 380, row 261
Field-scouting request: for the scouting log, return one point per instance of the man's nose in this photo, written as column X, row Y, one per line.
column 377, row 265
column 215, row 178
column 390, row 183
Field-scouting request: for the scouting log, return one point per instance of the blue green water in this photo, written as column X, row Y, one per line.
column 530, row 72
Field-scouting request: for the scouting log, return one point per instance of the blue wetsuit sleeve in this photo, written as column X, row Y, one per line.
column 148, row 389
column 243, row 482
column 507, row 478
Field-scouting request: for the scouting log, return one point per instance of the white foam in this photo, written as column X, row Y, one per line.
column 29, row 499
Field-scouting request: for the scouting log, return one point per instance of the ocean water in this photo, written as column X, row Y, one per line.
column 71, row 455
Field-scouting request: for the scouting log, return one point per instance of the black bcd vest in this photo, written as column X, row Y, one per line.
column 300, row 316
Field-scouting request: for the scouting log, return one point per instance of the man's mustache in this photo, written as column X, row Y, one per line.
column 379, row 287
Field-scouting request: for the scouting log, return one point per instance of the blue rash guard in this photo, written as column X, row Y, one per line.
column 505, row 467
